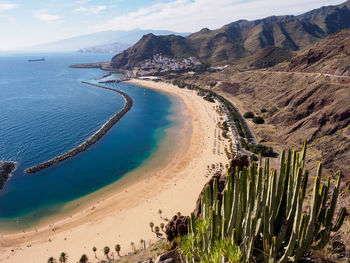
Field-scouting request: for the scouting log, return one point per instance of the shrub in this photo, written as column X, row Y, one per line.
column 248, row 115
column 209, row 98
column 263, row 110
column 258, row 120
column 261, row 149
column 254, row 158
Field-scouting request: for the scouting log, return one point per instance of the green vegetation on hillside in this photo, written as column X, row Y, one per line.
column 248, row 115
column 259, row 216
column 265, row 151
column 258, row 120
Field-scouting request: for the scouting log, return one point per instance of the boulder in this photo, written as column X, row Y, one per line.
column 171, row 256
column 239, row 162
column 176, row 227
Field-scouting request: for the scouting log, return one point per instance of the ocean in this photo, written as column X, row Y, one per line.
column 45, row 111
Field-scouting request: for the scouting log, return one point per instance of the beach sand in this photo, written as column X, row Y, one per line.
column 123, row 216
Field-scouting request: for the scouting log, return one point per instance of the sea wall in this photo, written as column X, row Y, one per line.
column 94, row 138
column 6, row 168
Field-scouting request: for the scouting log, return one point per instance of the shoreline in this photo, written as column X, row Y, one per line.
column 90, row 141
column 123, row 214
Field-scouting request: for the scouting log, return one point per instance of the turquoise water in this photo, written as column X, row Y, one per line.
column 46, row 111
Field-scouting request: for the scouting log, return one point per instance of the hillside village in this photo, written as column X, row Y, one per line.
column 161, row 63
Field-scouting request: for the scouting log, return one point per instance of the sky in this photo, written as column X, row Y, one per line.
column 31, row 22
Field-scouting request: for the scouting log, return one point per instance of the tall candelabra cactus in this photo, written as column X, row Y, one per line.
column 266, row 214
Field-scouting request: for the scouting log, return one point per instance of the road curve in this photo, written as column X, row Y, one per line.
column 94, row 138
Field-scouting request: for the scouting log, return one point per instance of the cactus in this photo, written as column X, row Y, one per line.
column 261, row 209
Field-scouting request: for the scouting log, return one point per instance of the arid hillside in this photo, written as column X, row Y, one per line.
column 330, row 56
column 304, row 98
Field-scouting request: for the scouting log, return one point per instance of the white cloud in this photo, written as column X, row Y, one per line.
column 43, row 15
column 92, row 10
column 4, row 6
column 83, row 2
column 7, row 18
column 192, row 15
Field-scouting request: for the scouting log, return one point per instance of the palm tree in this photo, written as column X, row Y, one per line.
column 106, row 251
column 94, row 249
column 160, row 212
column 151, row 224
column 63, row 257
column 51, row 260
column 143, row 244
column 132, row 246
column 83, row 259
column 156, row 229
column 117, row 249
column 162, row 226
column 178, row 214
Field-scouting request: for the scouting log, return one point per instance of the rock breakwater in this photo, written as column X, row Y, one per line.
column 93, row 139
column 6, row 168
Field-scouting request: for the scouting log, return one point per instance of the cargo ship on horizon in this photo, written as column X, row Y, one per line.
column 36, row 60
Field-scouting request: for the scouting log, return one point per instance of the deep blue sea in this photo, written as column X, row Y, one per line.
column 46, row 111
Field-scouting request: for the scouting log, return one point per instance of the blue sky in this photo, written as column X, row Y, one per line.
column 30, row 22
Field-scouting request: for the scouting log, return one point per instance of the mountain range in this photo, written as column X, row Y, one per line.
column 242, row 38
column 105, row 41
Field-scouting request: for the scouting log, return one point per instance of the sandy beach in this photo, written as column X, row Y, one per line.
column 123, row 216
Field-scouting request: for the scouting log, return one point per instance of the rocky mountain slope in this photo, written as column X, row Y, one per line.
column 149, row 45
column 242, row 38
column 304, row 97
column 330, row 56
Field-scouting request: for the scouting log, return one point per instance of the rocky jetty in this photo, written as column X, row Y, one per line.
column 100, row 65
column 6, row 168
column 94, row 138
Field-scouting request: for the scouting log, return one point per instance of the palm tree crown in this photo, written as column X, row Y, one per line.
column 151, row 224
column 117, row 249
column 106, row 251
column 63, row 257
column 83, row 259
